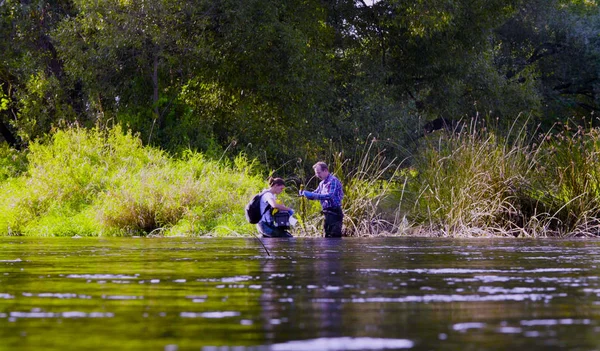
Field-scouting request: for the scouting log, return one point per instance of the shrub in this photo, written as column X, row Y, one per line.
column 12, row 162
column 93, row 182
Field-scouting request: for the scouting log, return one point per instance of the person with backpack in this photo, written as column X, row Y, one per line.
column 268, row 204
column 330, row 194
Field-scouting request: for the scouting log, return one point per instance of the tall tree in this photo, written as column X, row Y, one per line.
column 127, row 54
column 556, row 40
column 30, row 71
column 241, row 67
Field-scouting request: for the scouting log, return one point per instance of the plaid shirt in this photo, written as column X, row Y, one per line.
column 330, row 192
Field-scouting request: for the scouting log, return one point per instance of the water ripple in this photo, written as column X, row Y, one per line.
column 58, row 295
column 102, row 276
column 467, row 326
column 445, row 298
column 70, row 314
column 468, row 271
column 343, row 344
column 224, row 314
column 546, row 322
column 122, row 297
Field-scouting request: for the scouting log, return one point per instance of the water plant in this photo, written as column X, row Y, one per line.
column 475, row 183
column 567, row 181
column 467, row 183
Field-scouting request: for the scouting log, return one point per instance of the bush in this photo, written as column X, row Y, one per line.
column 92, row 182
column 12, row 162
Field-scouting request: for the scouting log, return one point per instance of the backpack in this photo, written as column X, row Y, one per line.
column 253, row 214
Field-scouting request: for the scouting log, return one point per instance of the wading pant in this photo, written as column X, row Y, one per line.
column 268, row 230
column 334, row 217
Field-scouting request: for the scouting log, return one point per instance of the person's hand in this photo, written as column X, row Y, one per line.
column 308, row 194
column 301, row 193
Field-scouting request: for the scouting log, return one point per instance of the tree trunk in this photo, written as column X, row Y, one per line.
column 155, row 86
column 154, row 96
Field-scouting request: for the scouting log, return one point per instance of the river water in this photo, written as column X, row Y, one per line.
column 303, row 294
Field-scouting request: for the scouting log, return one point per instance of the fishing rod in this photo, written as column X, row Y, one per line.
column 263, row 245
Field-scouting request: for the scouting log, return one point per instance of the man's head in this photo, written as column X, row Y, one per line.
column 321, row 170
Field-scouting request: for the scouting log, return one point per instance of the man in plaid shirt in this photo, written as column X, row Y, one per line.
column 330, row 194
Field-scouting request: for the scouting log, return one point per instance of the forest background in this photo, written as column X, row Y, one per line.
column 158, row 117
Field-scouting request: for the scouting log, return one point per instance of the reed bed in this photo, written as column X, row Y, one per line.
column 474, row 183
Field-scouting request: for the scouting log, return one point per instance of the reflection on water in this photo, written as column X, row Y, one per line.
column 310, row 294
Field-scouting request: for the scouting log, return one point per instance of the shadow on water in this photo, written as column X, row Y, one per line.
column 309, row 294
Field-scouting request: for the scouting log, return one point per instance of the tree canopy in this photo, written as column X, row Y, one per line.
column 283, row 80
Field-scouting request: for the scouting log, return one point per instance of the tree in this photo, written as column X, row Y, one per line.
column 285, row 79
column 30, row 71
column 558, row 40
column 261, row 60
column 128, row 54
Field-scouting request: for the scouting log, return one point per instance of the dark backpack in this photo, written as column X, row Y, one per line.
column 253, row 214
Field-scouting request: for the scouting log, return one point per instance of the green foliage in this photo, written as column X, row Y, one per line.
column 193, row 196
column 555, row 43
column 30, row 73
column 12, row 162
column 280, row 82
column 42, row 108
column 96, row 182
column 4, row 100
column 93, row 182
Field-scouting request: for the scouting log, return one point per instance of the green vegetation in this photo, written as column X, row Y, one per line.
column 252, row 87
column 89, row 182
column 471, row 183
column 214, row 74
column 475, row 183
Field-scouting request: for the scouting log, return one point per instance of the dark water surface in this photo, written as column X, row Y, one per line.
column 310, row 294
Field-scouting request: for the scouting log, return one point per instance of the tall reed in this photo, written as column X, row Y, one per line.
column 568, row 178
column 467, row 183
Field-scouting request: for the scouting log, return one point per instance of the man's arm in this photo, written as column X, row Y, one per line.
column 320, row 195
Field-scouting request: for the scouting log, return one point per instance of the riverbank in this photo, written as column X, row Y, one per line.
column 106, row 183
